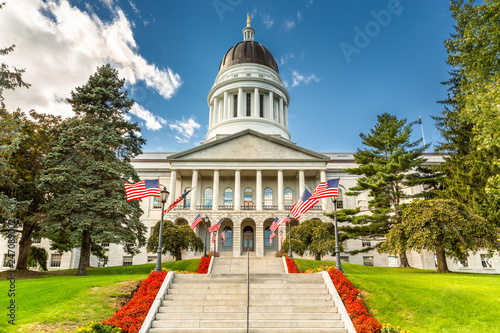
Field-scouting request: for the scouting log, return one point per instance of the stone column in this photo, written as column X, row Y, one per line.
column 270, row 115
column 226, row 105
column 194, row 191
column 259, row 239
column 280, row 114
column 281, row 194
column 259, row 189
column 173, row 178
column 237, row 189
column 256, row 103
column 216, row 118
column 215, row 199
column 236, row 238
column 324, row 201
column 302, row 182
column 285, row 116
column 241, row 108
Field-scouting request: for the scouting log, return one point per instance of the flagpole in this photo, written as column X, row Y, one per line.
column 422, row 127
column 206, row 230
column 290, row 254
column 338, row 265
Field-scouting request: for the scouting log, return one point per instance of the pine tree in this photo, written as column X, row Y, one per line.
column 384, row 167
column 86, row 171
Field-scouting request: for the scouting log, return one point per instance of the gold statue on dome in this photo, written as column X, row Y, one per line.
column 248, row 19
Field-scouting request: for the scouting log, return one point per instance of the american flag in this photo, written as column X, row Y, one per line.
column 285, row 220
column 215, row 227
column 179, row 199
column 197, row 220
column 303, row 204
column 213, row 237
column 142, row 189
column 223, row 236
column 281, row 236
column 275, row 225
column 327, row 189
column 271, row 238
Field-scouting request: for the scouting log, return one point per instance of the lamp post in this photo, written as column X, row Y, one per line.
column 338, row 265
column 290, row 254
column 205, row 222
column 164, row 196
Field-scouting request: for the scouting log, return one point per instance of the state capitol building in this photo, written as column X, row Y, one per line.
column 248, row 171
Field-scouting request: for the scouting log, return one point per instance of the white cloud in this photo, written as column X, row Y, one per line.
column 152, row 122
column 267, row 20
column 288, row 24
column 299, row 16
column 134, row 7
column 284, row 58
column 61, row 46
column 185, row 129
column 298, row 78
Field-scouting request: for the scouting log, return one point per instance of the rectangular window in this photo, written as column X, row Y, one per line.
column 55, row 260
column 368, row 261
column 8, row 261
column 102, row 262
column 127, row 260
column 344, row 259
column 261, row 106
column 235, row 106
column 249, row 104
column 393, row 261
column 36, row 240
column 464, row 262
column 152, row 258
column 156, row 202
column 486, row 261
column 366, row 243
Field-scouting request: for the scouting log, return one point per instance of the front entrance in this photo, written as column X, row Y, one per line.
column 248, row 239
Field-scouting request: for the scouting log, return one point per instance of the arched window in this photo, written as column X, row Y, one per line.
column 187, row 200
column 228, row 197
column 207, row 198
column 267, row 235
column 228, row 232
column 268, row 197
column 248, row 198
column 340, row 201
column 288, row 197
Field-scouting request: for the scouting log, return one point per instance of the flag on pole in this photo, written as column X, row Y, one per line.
column 197, row 220
column 327, row 189
column 271, row 238
column 142, row 189
column 179, row 199
column 418, row 121
column 275, row 225
column 215, row 227
column 281, row 236
column 285, row 220
column 303, row 204
column 223, row 236
column 213, row 237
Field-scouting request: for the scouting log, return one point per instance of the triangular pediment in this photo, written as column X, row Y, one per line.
column 248, row 145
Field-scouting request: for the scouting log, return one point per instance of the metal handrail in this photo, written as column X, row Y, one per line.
column 248, row 289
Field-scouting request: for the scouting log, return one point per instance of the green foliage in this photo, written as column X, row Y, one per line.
column 86, row 170
column 312, row 237
column 98, row 328
column 176, row 238
column 38, row 257
column 445, row 227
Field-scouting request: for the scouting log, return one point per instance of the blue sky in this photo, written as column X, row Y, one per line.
column 343, row 62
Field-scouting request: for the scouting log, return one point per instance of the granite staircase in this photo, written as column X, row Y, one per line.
column 217, row 302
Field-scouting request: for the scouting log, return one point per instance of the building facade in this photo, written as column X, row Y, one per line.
column 248, row 172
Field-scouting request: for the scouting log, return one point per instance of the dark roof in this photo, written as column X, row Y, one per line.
column 248, row 51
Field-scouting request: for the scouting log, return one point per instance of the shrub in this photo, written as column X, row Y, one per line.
column 37, row 257
column 204, row 263
column 388, row 328
column 279, row 253
column 98, row 328
column 213, row 254
column 130, row 316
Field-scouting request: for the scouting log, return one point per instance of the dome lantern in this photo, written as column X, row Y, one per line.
column 248, row 31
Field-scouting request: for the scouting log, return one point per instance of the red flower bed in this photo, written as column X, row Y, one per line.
column 131, row 315
column 292, row 268
column 361, row 318
column 204, row 263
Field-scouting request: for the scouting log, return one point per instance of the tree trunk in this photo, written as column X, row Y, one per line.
column 441, row 261
column 317, row 256
column 403, row 260
column 84, row 254
column 178, row 254
column 24, row 247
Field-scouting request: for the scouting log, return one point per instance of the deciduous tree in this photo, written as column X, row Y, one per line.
column 176, row 238
column 312, row 237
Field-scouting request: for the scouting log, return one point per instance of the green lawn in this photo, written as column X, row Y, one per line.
column 60, row 301
column 423, row 301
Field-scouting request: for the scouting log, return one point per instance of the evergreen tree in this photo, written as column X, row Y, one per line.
column 384, row 166
column 87, row 168
column 176, row 238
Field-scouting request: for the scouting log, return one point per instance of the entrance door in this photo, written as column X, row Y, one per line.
column 248, row 239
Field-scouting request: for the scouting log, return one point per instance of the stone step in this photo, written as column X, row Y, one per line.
column 242, row 308
column 231, row 323
column 218, row 284
column 244, row 330
column 243, row 297
column 243, row 316
column 243, row 290
column 258, row 302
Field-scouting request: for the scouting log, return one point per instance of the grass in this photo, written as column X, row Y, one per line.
column 425, row 301
column 59, row 301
